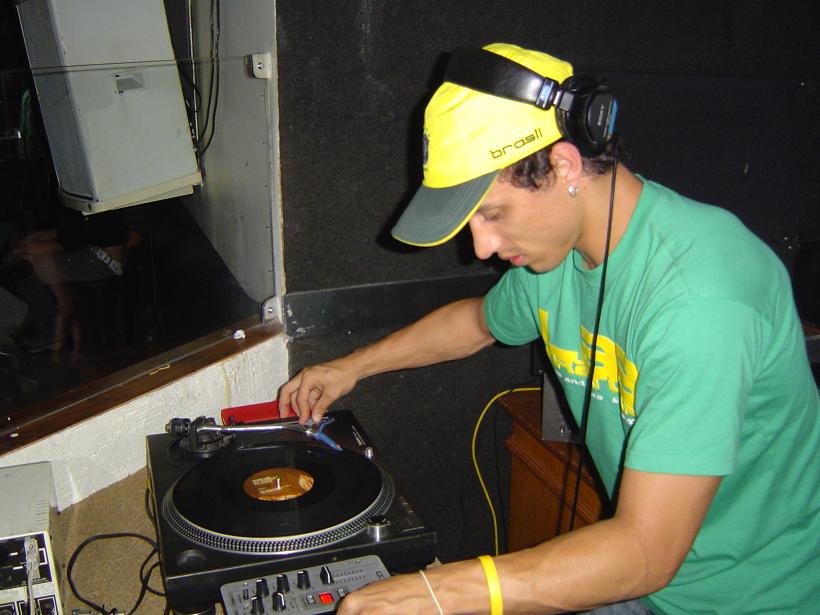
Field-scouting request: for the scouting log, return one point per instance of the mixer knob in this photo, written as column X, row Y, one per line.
column 262, row 588
column 326, row 575
column 279, row 603
column 257, row 608
column 302, row 579
column 282, row 583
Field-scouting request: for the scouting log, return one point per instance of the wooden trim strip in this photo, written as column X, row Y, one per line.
column 83, row 402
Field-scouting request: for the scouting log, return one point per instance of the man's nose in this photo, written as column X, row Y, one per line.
column 485, row 244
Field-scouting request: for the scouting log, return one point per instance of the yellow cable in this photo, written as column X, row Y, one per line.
column 475, row 461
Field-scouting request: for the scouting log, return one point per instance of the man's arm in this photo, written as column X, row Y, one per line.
column 39, row 243
column 635, row 553
column 451, row 332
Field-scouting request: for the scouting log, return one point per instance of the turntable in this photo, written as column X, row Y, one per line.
column 239, row 504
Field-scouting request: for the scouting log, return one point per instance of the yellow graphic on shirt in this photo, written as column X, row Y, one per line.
column 612, row 367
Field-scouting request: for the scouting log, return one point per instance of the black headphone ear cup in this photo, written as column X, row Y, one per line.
column 585, row 110
column 587, row 121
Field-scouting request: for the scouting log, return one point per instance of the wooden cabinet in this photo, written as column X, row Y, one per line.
column 543, row 478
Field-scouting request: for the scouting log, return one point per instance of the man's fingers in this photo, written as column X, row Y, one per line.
column 294, row 405
column 302, row 401
column 286, row 394
column 309, row 394
column 320, row 407
column 313, row 398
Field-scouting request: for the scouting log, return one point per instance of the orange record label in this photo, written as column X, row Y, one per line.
column 278, row 484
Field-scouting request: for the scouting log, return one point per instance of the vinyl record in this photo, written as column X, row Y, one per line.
column 282, row 490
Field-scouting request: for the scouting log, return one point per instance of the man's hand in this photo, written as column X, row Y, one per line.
column 400, row 595
column 453, row 331
column 460, row 587
column 311, row 391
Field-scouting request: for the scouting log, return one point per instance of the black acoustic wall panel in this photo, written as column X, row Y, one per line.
column 353, row 81
column 354, row 78
column 742, row 143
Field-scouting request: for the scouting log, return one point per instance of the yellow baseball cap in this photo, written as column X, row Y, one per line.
column 469, row 136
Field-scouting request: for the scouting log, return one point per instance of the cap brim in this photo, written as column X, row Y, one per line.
column 435, row 215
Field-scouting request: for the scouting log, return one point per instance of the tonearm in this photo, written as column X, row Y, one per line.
column 203, row 435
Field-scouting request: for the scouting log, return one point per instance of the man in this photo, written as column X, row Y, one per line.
column 703, row 414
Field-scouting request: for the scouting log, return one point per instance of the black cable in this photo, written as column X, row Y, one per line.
column 72, row 560
column 211, row 79
column 193, row 105
column 148, row 510
column 216, row 29
column 146, row 577
column 197, row 97
column 599, row 310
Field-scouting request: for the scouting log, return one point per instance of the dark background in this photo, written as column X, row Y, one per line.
column 717, row 100
column 175, row 288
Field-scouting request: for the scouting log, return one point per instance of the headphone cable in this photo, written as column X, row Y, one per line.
column 599, row 310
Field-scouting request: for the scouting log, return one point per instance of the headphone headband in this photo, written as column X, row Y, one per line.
column 585, row 109
column 482, row 70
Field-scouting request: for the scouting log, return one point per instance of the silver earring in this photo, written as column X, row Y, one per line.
column 573, row 191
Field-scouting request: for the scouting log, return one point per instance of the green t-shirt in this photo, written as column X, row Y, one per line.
column 701, row 369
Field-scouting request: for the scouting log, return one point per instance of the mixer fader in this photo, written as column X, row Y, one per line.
column 310, row 591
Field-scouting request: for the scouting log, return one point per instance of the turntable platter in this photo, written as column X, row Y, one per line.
column 277, row 498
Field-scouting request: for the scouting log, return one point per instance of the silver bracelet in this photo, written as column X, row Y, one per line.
column 432, row 593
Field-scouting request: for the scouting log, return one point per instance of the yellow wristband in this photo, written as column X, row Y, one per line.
column 496, row 605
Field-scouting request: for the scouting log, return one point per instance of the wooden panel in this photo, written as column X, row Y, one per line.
column 543, row 479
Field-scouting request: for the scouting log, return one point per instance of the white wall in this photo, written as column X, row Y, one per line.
column 237, row 206
column 105, row 449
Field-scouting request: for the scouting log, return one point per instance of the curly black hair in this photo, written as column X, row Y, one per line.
column 533, row 172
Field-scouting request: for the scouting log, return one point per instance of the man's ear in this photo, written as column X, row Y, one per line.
column 566, row 162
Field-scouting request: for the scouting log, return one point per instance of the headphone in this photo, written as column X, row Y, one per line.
column 584, row 108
